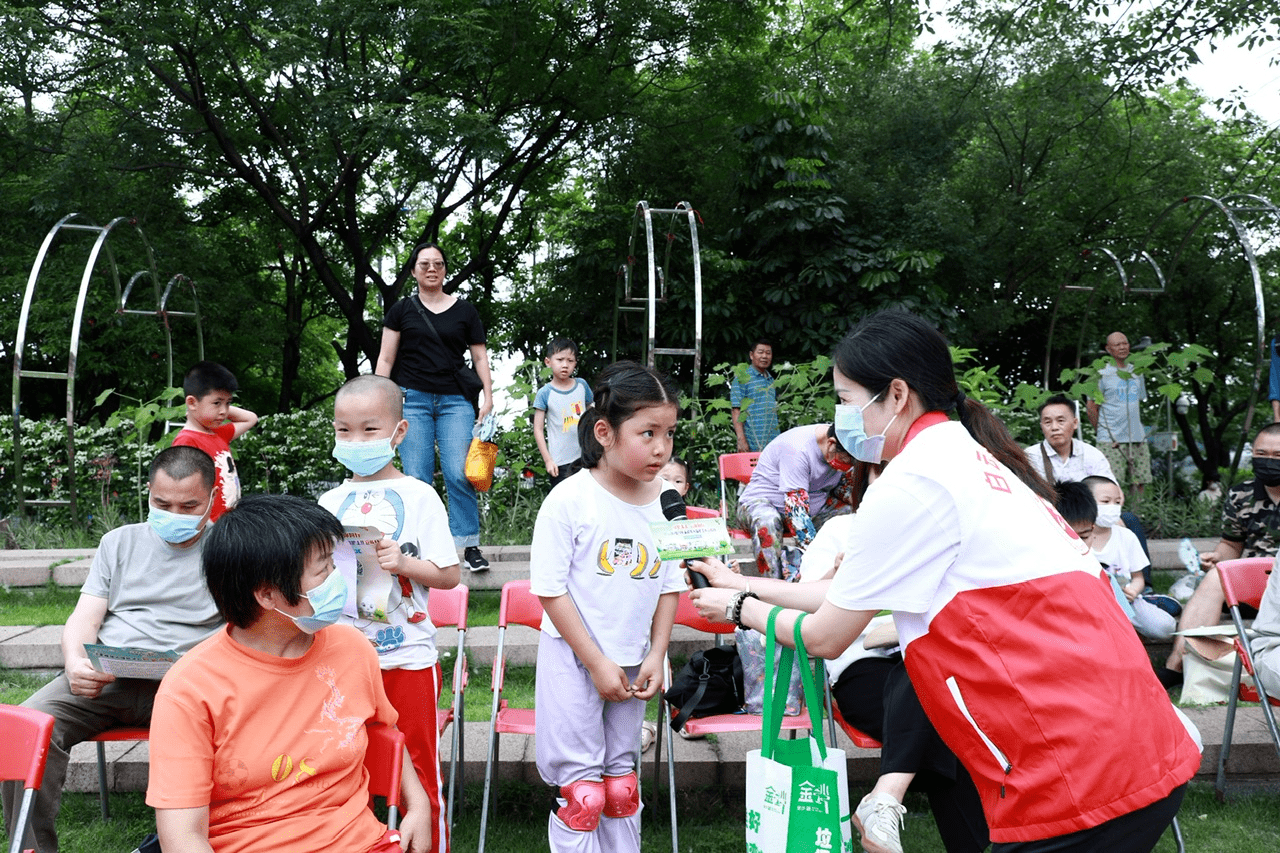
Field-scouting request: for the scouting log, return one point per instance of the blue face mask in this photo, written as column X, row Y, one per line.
column 176, row 527
column 327, row 600
column 852, row 434
column 364, row 458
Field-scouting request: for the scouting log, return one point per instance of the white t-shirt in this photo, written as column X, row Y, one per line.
column 1122, row 556
column 410, row 512
column 600, row 551
column 946, row 517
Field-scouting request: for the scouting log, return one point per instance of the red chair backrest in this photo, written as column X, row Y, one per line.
column 1244, row 580
column 24, row 744
column 701, row 512
column 687, row 615
column 449, row 606
column 738, row 466
column 384, row 759
column 519, row 606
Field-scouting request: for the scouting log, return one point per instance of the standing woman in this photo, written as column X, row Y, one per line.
column 423, row 338
column 1019, row 654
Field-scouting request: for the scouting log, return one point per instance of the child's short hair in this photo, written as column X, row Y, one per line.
column 369, row 383
column 181, row 462
column 1075, row 502
column 1094, row 480
column 620, row 391
column 560, row 345
column 206, row 377
column 264, row 540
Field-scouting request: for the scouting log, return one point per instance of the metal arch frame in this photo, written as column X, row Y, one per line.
column 1228, row 206
column 68, row 223
column 1126, row 287
column 657, row 283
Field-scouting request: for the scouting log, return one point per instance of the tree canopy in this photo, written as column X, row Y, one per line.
column 287, row 155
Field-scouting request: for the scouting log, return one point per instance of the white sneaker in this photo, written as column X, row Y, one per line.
column 879, row 819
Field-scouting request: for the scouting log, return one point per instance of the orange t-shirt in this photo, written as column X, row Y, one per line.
column 273, row 746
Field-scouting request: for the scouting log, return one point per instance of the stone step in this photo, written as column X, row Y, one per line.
column 66, row 567
column 701, row 762
column 70, row 567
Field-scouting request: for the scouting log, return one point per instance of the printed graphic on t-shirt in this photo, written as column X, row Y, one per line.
column 573, row 415
column 380, row 593
column 626, row 556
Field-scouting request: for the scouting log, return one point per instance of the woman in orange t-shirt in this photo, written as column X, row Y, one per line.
column 258, row 733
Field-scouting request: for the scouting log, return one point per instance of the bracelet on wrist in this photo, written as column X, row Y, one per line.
column 738, row 601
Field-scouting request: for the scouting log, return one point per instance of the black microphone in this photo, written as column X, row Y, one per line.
column 673, row 510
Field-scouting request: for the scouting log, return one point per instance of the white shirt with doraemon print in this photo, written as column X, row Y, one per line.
column 410, row 512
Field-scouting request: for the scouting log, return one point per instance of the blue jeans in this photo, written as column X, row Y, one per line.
column 444, row 421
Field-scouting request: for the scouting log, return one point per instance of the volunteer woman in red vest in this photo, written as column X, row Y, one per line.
column 1020, row 655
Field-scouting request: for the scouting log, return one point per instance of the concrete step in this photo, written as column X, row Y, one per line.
column 700, row 762
column 66, row 567
column 70, row 567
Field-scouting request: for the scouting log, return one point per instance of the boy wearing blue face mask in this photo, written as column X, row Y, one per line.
column 259, row 737
column 416, row 553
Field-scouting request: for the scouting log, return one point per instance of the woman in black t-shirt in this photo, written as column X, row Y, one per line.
column 423, row 338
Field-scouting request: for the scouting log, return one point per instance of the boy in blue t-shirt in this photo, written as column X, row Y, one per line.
column 557, row 408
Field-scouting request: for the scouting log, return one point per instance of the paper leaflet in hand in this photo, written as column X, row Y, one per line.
column 690, row 538
column 373, row 583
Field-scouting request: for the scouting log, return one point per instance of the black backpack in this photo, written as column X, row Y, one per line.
column 710, row 683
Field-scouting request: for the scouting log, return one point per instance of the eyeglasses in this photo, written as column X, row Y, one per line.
column 431, row 265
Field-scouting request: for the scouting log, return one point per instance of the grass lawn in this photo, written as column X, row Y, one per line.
column 710, row 822
column 37, row 605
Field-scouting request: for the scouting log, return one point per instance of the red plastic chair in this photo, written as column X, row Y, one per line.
column 739, row 467
column 1244, row 582
column 700, row 512
column 120, row 733
column 687, row 615
column 449, row 607
column 518, row 607
column 25, row 735
column 384, row 759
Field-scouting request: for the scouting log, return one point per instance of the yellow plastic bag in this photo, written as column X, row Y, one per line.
column 481, row 457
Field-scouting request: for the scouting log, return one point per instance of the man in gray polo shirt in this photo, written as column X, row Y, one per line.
column 145, row 589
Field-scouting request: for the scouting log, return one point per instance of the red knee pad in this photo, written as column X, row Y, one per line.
column 621, row 795
column 584, row 801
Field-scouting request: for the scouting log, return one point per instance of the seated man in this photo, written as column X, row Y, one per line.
column 144, row 590
column 1250, row 526
column 1062, row 456
column 259, row 737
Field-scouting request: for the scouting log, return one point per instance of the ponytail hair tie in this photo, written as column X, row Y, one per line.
column 961, row 409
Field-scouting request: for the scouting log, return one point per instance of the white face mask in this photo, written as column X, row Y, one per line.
column 1108, row 515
